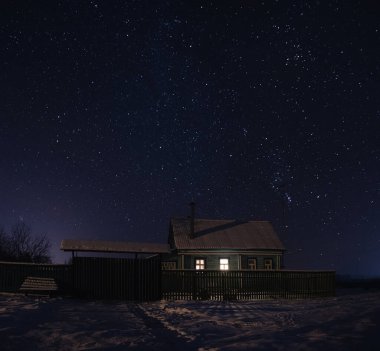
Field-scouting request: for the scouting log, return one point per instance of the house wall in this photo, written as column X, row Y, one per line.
column 170, row 261
column 237, row 261
column 212, row 261
column 260, row 261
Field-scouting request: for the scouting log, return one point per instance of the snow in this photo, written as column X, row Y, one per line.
column 350, row 321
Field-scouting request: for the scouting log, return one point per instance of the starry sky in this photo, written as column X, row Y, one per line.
column 114, row 115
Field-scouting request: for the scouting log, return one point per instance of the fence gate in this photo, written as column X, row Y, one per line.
column 136, row 279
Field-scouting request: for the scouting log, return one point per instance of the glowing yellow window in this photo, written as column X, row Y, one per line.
column 223, row 264
column 200, row 263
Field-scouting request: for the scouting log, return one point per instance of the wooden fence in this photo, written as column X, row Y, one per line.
column 143, row 280
column 12, row 274
column 117, row 278
column 246, row 285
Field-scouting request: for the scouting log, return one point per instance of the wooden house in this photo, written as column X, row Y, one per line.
column 205, row 244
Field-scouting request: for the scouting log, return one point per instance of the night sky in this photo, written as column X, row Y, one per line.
column 114, row 115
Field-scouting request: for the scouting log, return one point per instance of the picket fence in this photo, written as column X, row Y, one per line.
column 246, row 285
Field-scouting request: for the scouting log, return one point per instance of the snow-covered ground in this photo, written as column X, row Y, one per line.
column 350, row 321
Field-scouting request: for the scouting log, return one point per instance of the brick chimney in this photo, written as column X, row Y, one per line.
column 192, row 219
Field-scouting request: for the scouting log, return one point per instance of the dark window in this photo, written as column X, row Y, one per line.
column 168, row 265
column 252, row 264
column 268, row 263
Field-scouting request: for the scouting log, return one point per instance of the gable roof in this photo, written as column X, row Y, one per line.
column 224, row 234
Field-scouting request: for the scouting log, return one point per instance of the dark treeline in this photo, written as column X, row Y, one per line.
column 347, row 281
column 20, row 245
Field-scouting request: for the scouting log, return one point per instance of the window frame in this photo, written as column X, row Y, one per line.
column 199, row 265
column 249, row 265
column 169, row 265
column 266, row 265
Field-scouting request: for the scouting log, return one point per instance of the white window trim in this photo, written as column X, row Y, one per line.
column 252, row 266
column 268, row 264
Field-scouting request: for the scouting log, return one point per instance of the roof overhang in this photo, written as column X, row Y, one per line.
column 113, row 246
column 232, row 250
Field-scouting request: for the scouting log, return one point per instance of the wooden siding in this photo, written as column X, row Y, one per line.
column 13, row 274
column 276, row 261
column 212, row 261
column 246, row 285
column 236, row 261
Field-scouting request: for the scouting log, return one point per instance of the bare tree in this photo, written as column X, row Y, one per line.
column 4, row 245
column 40, row 249
column 22, row 246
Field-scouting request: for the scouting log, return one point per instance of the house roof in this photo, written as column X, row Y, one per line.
column 113, row 246
column 224, row 234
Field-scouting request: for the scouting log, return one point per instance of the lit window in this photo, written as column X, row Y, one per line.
column 252, row 264
column 223, row 264
column 199, row 263
column 268, row 263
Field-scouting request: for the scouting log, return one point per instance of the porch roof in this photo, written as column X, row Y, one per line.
column 113, row 246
